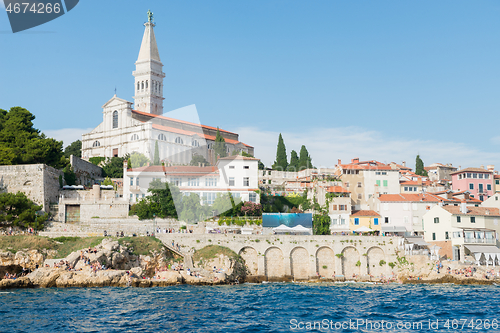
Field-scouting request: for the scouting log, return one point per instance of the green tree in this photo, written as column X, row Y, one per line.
column 321, row 224
column 192, row 210
column 156, row 158
column 114, row 167
column 137, row 160
column 419, row 167
column 18, row 210
column 107, row 181
column 75, row 149
column 198, row 159
column 159, row 203
column 220, row 145
column 21, row 143
column 97, row 160
column 294, row 161
column 304, row 159
column 281, row 162
column 69, row 175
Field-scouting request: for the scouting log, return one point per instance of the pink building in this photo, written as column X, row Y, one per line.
column 478, row 181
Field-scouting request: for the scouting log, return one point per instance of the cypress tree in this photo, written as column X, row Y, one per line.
column 419, row 167
column 156, row 159
column 281, row 162
column 294, row 161
column 220, row 145
column 304, row 159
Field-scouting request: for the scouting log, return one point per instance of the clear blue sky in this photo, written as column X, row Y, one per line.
column 378, row 80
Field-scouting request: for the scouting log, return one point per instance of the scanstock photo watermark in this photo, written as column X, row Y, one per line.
column 385, row 325
column 25, row 14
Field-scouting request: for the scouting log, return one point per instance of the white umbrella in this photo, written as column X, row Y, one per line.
column 283, row 228
column 300, row 228
column 363, row 229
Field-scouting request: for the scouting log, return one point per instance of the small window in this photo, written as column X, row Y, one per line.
column 446, row 235
column 360, row 196
column 386, row 219
column 436, row 220
column 246, row 167
column 474, row 175
column 488, row 187
column 347, row 184
column 378, row 182
column 481, row 176
column 195, row 143
column 96, row 144
column 246, row 181
column 179, row 140
column 231, row 167
column 471, row 186
column 115, row 119
column 134, row 137
column 137, row 181
column 131, row 181
column 472, row 219
column 162, row 137
column 253, row 197
column 458, row 219
column 138, row 86
column 356, row 221
column 385, row 183
column 497, row 181
column 359, row 184
column 231, row 181
column 433, row 236
column 375, row 221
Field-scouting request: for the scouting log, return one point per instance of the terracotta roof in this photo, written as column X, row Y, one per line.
column 365, row 213
column 471, row 170
column 336, row 189
column 410, row 198
column 178, row 121
column 496, row 176
column 239, row 157
column 409, row 182
column 366, row 167
column 481, row 211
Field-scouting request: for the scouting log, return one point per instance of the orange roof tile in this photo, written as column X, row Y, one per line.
column 337, row 189
column 365, row 213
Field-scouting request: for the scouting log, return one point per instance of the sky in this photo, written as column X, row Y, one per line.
column 378, row 80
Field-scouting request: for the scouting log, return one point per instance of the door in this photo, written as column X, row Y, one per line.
column 72, row 214
column 480, row 188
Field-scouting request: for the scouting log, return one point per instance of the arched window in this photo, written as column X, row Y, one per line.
column 156, row 86
column 179, row 140
column 146, row 84
column 162, row 137
column 115, row 119
column 96, row 144
column 138, row 86
column 134, row 137
column 142, row 85
column 209, row 146
column 159, row 88
column 195, row 143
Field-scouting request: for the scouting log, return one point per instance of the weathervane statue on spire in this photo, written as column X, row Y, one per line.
column 150, row 16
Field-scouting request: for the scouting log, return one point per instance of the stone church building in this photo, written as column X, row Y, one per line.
column 128, row 128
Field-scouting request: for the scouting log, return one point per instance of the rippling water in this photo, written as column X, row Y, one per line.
column 273, row 307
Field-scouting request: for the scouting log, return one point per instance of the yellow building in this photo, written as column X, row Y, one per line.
column 365, row 218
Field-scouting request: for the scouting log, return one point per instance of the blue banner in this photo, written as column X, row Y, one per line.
column 273, row 220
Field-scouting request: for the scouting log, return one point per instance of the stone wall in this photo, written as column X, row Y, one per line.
column 85, row 172
column 39, row 182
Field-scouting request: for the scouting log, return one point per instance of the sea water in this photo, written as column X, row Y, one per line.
column 269, row 307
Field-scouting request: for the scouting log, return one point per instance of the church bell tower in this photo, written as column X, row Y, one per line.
column 148, row 73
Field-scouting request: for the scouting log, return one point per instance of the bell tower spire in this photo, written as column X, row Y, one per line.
column 148, row 73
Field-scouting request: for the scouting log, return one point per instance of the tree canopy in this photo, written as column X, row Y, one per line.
column 159, row 204
column 18, row 210
column 304, row 159
column 419, row 167
column 198, row 159
column 220, row 145
column 294, row 161
column 75, row 149
column 113, row 167
column 21, row 143
column 281, row 162
column 137, row 160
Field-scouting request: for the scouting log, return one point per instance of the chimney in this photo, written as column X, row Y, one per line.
column 404, row 164
column 459, row 167
column 463, row 207
column 339, row 161
column 355, row 160
column 490, row 167
column 481, row 167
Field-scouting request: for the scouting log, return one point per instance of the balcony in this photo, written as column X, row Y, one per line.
column 479, row 241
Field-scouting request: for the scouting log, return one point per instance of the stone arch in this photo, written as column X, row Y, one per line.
column 249, row 254
column 325, row 262
column 374, row 256
column 350, row 258
column 274, row 263
column 299, row 263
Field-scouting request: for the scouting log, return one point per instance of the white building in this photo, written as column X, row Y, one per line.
column 126, row 129
column 235, row 174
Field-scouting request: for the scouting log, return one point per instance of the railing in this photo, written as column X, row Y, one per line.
column 480, row 240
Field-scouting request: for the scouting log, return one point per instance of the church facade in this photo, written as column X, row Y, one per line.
column 129, row 127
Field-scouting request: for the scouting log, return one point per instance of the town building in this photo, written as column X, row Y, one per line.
column 478, row 181
column 438, row 171
column 365, row 218
column 129, row 127
column 463, row 230
column 235, row 174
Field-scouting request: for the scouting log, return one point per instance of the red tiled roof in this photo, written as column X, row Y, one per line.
column 481, row 211
column 365, row 213
column 471, row 170
column 409, row 182
column 178, row 121
column 337, row 189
